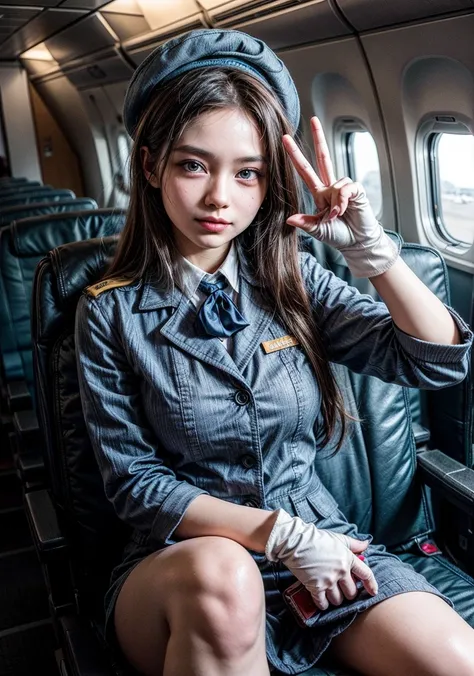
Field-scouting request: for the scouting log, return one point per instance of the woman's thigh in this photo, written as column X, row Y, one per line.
column 414, row 634
column 161, row 593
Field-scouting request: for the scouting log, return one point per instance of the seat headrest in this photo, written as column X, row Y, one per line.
column 37, row 235
column 20, row 211
column 78, row 264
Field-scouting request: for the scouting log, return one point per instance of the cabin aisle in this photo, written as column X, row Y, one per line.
column 27, row 641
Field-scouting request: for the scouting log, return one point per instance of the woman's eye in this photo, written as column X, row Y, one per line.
column 192, row 166
column 248, row 174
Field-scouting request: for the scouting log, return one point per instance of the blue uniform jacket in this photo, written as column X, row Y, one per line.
column 172, row 415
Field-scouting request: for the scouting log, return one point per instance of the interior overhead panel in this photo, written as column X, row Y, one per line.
column 370, row 14
column 167, row 19
column 303, row 22
column 126, row 18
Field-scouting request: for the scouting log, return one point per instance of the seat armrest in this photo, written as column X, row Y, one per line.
column 82, row 649
column 26, row 424
column 18, row 396
column 421, row 434
column 448, row 477
column 44, row 525
column 27, row 447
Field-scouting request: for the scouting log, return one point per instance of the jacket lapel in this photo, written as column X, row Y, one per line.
column 253, row 309
column 179, row 329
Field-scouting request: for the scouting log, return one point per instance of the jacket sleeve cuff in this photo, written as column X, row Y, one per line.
column 434, row 352
column 172, row 511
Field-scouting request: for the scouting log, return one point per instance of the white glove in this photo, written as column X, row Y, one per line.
column 321, row 559
column 352, row 227
column 368, row 250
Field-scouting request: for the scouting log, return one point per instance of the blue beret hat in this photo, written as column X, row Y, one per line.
column 209, row 47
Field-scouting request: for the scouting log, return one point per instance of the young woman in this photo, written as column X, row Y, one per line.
column 204, row 364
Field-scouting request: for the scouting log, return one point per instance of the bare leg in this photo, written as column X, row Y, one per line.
column 195, row 608
column 414, row 634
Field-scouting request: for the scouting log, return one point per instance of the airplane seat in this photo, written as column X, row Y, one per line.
column 8, row 189
column 20, row 211
column 38, row 194
column 377, row 479
column 22, row 245
column 10, row 364
column 5, row 180
column 442, row 419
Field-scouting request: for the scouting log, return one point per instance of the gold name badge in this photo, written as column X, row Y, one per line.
column 279, row 344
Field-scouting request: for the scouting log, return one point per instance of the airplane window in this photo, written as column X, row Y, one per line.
column 124, row 153
column 363, row 163
column 453, row 165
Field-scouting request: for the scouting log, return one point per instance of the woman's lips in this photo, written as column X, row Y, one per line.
column 212, row 226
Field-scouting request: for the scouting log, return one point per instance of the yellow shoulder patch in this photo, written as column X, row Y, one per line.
column 107, row 284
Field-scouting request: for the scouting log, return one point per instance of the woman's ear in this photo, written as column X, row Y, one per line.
column 149, row 168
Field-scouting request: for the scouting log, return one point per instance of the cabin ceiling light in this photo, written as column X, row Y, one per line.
column 38, row 53
column 165, row 12
column 224, row 4
column 123, row 7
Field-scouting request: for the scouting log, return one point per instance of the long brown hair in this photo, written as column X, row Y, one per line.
column 146, row 243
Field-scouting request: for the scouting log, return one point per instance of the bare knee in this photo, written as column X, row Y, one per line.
column 459, row 653
column 217, row 593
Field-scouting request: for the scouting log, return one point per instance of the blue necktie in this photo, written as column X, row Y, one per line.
column 218, row 316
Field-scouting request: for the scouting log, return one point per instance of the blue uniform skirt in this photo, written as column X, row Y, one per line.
column 292, row 649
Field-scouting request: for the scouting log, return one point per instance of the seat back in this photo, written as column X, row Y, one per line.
column 22, row 245
column 448, row 413
column 6, row 180
column 372, row 477
column 10, row 362
column 36, row 195
column 17, row 212
column 94, row 533
column 14, row 188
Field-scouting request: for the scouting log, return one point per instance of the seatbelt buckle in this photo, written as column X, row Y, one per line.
column 429, row 548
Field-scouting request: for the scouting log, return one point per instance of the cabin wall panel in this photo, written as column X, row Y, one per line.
column 59, row 163
column 19, row 126
column 66, row 104
column 408, row 98
column 333, row 82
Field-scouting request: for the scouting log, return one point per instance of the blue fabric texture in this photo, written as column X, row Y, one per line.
column 218, row 316
column 207, row 48
column 172, row 416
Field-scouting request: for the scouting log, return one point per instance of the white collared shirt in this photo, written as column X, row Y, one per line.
column 192, row 276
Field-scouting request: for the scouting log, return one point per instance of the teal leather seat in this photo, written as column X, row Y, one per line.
column 38, row 194
column 22, row 245
column 10, row 362
column 17, row 188
column 446, row 415
column 377, row 479
column 6, row 180
column 19, row 211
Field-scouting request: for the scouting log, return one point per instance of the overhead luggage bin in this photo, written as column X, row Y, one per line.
column 369, row 14
column 281, row 24
column 105, row 67
column 165, row 22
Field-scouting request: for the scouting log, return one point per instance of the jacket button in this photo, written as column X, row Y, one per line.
column 253, row 502
column 248, row 461
column 242, row 397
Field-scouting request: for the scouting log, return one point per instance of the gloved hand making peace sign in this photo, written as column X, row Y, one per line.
column 345, row 219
